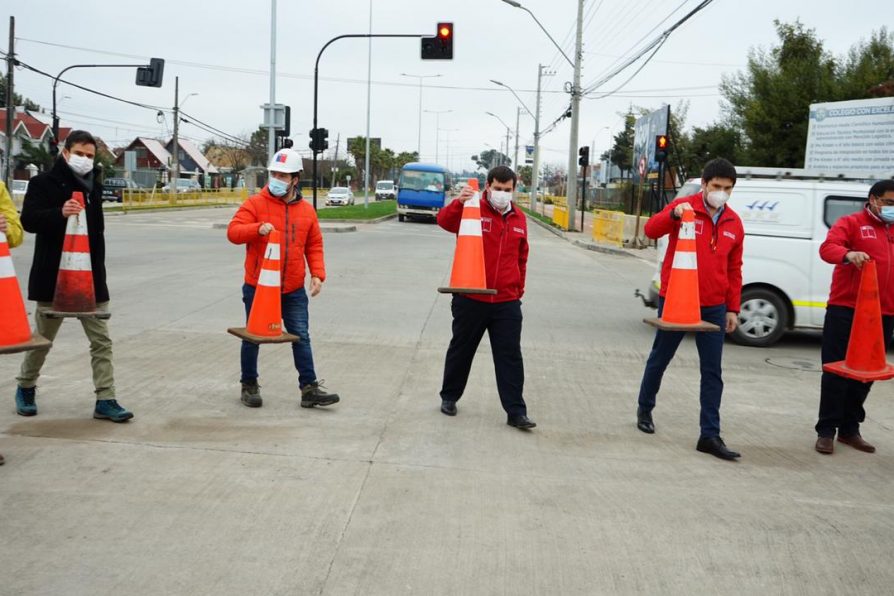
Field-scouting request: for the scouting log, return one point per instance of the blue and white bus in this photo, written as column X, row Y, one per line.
column 422, row 190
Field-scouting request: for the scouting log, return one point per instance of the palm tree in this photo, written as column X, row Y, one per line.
column 36, row 154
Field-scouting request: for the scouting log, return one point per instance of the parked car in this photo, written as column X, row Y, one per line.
column 340, row 195
column 18, row 190
column 113, row 188
column 183, row 185
column 385, row 190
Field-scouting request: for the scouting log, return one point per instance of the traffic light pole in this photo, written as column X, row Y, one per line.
column 317, row 84
column 56, row 82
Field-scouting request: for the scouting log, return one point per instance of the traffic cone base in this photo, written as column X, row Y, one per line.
column 666, row 326
column 865, row 358
column 467, row 291
column 35, row 343
column 242, row 333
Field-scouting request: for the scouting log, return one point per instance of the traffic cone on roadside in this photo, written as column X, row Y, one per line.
column 682, row 308
column 75, row 295
column 865, row 359
column 469, row 275
column 265, row 317
column 15, row 332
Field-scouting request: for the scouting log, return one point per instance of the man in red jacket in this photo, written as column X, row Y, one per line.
column 279, row 206
column 505, row 235
column 852, row 241
column 718, row 242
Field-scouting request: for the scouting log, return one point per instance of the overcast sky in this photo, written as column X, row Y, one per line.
column 221, row 51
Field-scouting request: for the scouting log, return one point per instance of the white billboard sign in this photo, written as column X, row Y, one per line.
column 851, row 136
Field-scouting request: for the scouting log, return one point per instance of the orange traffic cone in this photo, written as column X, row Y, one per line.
column 75, row 295
column 865, row 359
column 265, row 319
column 468, row 275
column 682, row 311
column 15, row 333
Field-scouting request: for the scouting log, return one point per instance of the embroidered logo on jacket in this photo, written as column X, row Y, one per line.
column 699, row 225
column 519, row 230
column 867, row 232
column 485, row 224
column 730, row 235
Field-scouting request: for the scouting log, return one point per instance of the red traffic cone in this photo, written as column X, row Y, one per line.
column 865, row 359
column 75, row 295
column 15, row 332
column 469, row 275
column 682, row 308
column 265, row 318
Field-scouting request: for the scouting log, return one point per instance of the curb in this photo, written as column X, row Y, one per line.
column 361, row 221
column 117, row 213
column 332, row 229
column 610, row 250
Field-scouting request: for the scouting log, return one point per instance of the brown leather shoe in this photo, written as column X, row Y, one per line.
column 857, row 442
column 825, row 445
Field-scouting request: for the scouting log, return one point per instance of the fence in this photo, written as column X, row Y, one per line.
column 136, row 199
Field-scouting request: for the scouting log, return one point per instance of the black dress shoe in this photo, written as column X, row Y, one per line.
column 522, row 422
column 716, row 447
column 448, row 407
column 644, row 421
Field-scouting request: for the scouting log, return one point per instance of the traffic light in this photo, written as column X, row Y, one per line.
column 287, row 129
column 439, row 47
column 661, row 148
column 584, row 159
column 54, row 147
column 318, row 139
column 152, row 75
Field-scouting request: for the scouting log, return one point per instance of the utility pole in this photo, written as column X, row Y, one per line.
column 508, row 134
column 10, row 102
column 535, row 174
column 571, row 191
column 369, row 58
column 517, row 119
column 333, row 169
column 271, row 130
column 175, row 154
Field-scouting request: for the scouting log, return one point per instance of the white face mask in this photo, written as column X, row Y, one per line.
column 79, row 164
column 499, row 199
column 717, row 198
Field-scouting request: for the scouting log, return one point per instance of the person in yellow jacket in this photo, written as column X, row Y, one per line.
column 11, row 226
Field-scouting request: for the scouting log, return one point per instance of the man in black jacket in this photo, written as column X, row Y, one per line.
column 45, row 211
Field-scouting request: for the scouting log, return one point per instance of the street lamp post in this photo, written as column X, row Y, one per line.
column 420, row 77
column 508, row 132
column 571, row 189
column 437, row 114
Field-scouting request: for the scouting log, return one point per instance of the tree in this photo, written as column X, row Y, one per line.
column 704, row 144
column 868, row 70
column 17, row 99
column 34, row 154
column 621, row 153
column 524, row 175
column 491, row 158
column 770, row 102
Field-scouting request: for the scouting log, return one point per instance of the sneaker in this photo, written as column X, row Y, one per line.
column 25, row 405
column 251, row 394
column 314, row 395
column 109, row 409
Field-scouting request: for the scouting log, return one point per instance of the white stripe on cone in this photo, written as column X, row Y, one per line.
column 6, row 268
column 272, row 251
column 685, row 260
column 470, row 227
column 269, row 278
column 475, row 201
column 687, row 231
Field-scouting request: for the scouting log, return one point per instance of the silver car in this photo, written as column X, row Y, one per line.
column 340, row 196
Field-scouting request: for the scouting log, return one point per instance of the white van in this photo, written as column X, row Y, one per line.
column 786, row 214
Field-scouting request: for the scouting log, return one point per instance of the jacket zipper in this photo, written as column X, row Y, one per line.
column 499, row 253
column 285, row 255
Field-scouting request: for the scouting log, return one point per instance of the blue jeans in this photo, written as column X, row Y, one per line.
column 295, row 319
column 710, row 350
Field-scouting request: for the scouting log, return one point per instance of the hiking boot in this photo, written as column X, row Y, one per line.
column 314, row 395
column 251, row 394
column 109, row 409
column 25, row 405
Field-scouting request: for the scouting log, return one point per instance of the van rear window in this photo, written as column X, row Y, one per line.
column 836, row 207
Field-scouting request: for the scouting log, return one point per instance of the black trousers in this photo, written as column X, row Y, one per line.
column 503, row 323
column 841, row 400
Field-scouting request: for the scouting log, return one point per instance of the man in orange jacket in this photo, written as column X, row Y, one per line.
column 280, row 206
column 718, row 243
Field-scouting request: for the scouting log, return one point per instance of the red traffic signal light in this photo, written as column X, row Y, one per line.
column 661, row 148
column 439, row 47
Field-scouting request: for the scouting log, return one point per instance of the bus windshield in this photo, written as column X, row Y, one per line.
column 430, row 181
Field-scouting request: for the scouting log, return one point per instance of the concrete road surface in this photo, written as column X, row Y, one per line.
column 382, row 494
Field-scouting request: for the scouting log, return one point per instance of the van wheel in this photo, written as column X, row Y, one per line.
column 400, row 217
column 762, row 320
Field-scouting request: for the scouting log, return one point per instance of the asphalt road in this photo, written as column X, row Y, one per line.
column 382, row 494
